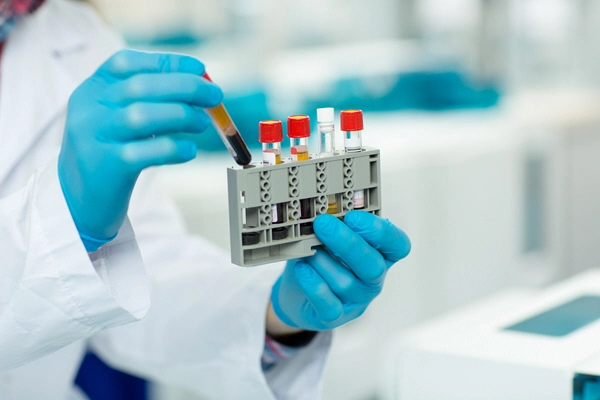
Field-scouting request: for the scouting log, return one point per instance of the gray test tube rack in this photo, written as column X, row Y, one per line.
column 256, row 188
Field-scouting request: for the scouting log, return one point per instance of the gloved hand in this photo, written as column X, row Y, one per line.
column 337, row 284
column 118, row 123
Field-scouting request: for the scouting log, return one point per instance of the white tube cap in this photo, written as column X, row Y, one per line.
column 325, row 115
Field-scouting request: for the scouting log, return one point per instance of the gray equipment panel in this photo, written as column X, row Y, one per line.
column 256, row 190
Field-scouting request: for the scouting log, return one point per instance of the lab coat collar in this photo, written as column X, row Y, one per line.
column 35, row 85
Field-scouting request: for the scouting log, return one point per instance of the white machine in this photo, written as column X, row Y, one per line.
column 518, row 345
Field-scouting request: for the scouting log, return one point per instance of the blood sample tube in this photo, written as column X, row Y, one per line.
column 352, row 127
column 270, row 134
column 228, row 132
column 277, row 215
column 299, row 132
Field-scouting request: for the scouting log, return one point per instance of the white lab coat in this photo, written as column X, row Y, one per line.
column 205, row 328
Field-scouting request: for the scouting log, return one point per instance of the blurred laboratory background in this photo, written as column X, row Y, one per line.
column 487, row 114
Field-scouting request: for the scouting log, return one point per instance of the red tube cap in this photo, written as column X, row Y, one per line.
column 298, row 126
column 351, row 120
column 270, row 131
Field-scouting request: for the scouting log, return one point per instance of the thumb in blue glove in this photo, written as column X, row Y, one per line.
column 337, row 283
column 120, row 121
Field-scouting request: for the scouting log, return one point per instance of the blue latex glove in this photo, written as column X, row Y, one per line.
column 337, row 284
column 119, row 122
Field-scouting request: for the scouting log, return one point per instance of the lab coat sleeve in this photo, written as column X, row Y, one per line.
column 51, row 292
column 205, row 330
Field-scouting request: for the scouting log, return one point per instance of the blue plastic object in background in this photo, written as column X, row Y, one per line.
column 586, row 387
column 563, row 319
column 433, row 91
column 100, row 382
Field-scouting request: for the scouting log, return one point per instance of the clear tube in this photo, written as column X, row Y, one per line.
column 332, row 206
column 299, row 149
column 327, row 149
column 326, row 139
column 271, row 153
column 353, row 141
column 359, row 199
column 277, row 214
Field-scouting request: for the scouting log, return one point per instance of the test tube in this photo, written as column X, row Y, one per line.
column 326, row 128
column 228, row 132
column 352, row 127
column 270, row 134
column 299, row 132
column 278, row 218
column 359, row 199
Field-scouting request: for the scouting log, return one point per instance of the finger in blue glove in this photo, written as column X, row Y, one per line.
column 337, row 283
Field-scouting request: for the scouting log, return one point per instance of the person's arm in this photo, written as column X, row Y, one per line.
column 276, row 329
column 51, row 293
